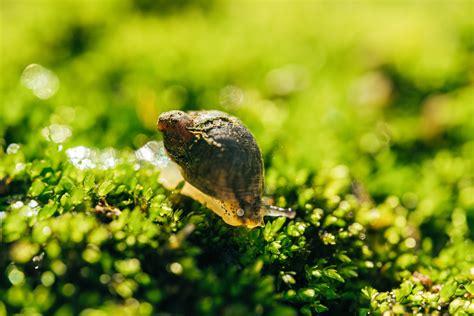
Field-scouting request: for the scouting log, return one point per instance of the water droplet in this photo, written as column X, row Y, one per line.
column 81, row 157
column 18, row 204
column 108, row 158
column 240, row 212
column 57, row 133
column 31, row 213
column 13, row 148
column 154, row 153
column 19, row 166
column 86, row 158
column 33, row 204
column 41, row 81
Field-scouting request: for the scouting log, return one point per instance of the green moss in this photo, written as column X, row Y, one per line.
column 366, row 132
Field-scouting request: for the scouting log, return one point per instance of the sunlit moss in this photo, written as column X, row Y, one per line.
column 364, row 116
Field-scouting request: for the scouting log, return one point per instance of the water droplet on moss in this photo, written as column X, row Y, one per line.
column 33, row 204
column 18, row 204
column 81, row 157
column 31, row 213
column 108, row 158
column 13, row 148
column 154, row 153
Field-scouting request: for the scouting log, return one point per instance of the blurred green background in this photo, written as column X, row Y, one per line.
column 385, row 88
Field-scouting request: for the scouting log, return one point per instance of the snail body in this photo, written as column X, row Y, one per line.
column 221, row 163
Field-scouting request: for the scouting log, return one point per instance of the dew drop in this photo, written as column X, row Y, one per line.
column 13, row 148
column 18, row 204
column 81, row 157
column 108, row 159
column 154, row 153
column 86, row 158
column 41, row 81
column 31, row 212
column 33, row 204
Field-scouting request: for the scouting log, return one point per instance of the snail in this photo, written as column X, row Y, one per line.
column 221, row 164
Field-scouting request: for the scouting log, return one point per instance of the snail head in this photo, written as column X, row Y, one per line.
column 176, row 136
column 175, row 122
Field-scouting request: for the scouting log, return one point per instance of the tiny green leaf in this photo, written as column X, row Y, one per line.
column 37, row 187
column 332, row 273
column 448, row 290
column 105, row 188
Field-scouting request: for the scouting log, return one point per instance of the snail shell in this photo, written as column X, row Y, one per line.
column 221, row 163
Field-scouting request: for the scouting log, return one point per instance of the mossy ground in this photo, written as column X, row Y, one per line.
column 365, row 116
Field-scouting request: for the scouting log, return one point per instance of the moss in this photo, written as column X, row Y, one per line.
column 374, row 155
